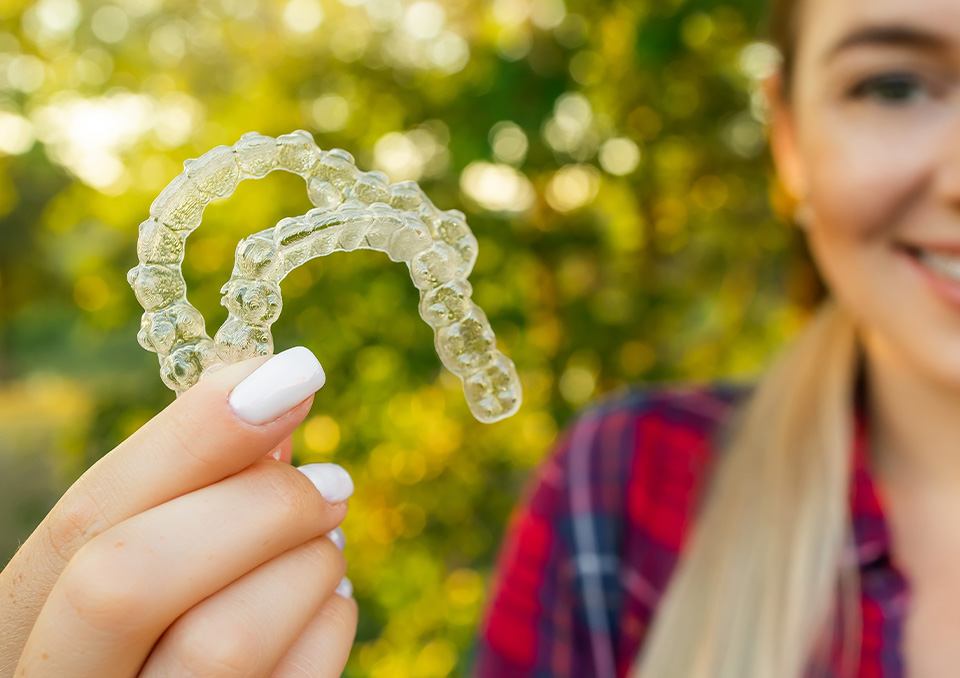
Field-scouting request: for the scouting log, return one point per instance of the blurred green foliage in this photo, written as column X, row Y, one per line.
column 610, row 157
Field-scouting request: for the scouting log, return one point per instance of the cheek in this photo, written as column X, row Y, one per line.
column 867, row 193
column 858, row 190
column 863, row 185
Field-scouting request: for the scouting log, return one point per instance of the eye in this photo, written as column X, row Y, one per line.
column 890, row 88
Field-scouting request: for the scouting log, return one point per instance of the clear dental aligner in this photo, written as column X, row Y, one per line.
column 352, row 210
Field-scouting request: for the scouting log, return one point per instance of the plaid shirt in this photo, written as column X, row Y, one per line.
column 591, row 549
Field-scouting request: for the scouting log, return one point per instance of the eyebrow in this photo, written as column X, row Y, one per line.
column 889, row 36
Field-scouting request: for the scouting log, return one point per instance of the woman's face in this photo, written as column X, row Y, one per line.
column 871, row 139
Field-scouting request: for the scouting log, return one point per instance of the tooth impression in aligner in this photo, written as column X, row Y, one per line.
column 352, row 210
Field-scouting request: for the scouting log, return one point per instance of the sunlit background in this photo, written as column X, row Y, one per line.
column 610, row 157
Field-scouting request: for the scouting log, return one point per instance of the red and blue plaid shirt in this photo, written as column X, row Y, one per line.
column 592, row 546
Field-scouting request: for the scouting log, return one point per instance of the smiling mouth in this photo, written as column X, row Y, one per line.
column 940, row 272
column 938, row 262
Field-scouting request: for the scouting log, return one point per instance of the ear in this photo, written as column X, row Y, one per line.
column 783, row 137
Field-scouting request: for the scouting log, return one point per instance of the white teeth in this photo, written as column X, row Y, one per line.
column 941, row 263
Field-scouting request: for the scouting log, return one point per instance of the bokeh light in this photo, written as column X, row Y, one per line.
column 497, row 187
column 619, row 156
column 572, row 186
column 509, row 142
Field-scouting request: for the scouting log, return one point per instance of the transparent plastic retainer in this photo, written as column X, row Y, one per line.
column 352, row 210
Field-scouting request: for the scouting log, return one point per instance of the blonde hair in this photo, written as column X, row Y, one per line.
column 763, row 581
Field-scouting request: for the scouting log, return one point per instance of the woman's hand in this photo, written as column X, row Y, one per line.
column 187, row 550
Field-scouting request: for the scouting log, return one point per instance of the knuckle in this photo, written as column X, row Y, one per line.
column 183, row 430
column 185, row 445
column 338, row 564
column 103, row 590
column 75, row 523
column 325, row 558
column 288, row 491
column 216, row 648
column 340, row 612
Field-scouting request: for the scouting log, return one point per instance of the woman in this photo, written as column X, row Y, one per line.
column 792, row 564
column 807, row 524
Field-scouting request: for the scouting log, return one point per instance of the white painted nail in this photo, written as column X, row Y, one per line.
column 344, row 588
column 333, row 481
column 277, row 385
column 338, row 538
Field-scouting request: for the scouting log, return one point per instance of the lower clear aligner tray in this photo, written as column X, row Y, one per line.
column 352, row 210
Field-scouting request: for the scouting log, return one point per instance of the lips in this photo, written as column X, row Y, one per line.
column 945, row 287
column 939, row 261
column 949, row 249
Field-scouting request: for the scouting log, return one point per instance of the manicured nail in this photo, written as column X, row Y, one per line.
column 344, row 588
column 338, row 538
column 333, row 481
column 277, row 385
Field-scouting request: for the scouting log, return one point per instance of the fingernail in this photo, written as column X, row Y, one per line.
column 338, row 538
column 275, row 454
column 344, row 588
column 333, row 481
column 277, row 385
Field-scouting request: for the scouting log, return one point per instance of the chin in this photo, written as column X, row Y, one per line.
column 942, row 364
